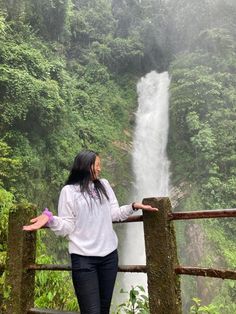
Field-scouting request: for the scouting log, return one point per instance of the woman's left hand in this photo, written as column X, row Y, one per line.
column 144, row 207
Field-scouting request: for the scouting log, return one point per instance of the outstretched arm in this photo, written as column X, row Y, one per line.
column 64, row 223
column 121, row 213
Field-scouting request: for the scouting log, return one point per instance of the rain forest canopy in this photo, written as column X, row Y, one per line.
column 68, row 74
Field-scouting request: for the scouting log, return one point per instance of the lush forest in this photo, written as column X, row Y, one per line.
column 68, row 74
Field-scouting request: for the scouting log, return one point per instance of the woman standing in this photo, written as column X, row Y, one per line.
column 86, row 209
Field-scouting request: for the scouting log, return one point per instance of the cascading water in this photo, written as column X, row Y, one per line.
column 150, row 166
column 150, row 163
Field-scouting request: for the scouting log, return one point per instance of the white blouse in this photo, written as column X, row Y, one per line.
column 87, row 222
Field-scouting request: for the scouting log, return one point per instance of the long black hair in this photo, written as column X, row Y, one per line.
column 81, row 173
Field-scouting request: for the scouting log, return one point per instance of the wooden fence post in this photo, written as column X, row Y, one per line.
column 21, row 251
column 161, row 254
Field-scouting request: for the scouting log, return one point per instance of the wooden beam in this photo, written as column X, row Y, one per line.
column 49, row 267
column 206, row 272
column 219, row 213
column 122, row 268
column 47, row 311
column 132, row 268
column 134, row 218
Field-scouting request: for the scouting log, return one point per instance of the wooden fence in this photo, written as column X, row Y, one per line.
column 162, row 266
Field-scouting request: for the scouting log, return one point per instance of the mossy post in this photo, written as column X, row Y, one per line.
column 161, row 255
column 21, row 252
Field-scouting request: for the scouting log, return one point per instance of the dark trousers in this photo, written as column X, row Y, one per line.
column 94, row 279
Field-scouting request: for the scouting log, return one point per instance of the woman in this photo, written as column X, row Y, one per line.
column 86, row 209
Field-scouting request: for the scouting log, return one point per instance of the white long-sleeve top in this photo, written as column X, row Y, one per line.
column 87, row 222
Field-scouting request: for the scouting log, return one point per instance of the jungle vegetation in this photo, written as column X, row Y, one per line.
column 68, row 74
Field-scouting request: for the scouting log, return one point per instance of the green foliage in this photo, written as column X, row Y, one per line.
column 198, row 309
column 48, row 18
column 224, row 299
column 124, row 53
column 201, row 147
column 53, row 289
column 27, row 87
column 2, row 25
column 197, row 25
column 53, row 106
column 14, row 9
column 137, row 302
column 6, row 202
column 218, row 237
column 217, row 41
column 146, row 22
column 8, row 165
column 220, row 308
column 202, row 115
column 92, row 21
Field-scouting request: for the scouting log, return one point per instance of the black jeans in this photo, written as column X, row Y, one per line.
column 94, row 279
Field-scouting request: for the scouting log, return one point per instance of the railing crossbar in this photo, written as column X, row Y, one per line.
column 180, row 270
column 135, row 218
column 219, row 213
column 206, row 272
column 53, row 267
column 47, row 311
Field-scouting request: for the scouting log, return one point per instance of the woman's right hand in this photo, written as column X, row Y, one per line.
column 37, row 223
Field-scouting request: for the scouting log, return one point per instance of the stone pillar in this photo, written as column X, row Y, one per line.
column 21, row 251
column 161, row 254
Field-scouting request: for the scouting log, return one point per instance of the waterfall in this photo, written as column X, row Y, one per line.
column 150, row 167
column 150, row 163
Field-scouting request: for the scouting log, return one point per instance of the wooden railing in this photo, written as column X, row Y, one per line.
column 162, row 267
